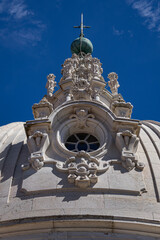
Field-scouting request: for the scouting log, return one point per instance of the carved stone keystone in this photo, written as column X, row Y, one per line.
column 81, row 117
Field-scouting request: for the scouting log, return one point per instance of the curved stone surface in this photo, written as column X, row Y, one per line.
column 48, row 190
column 52, row 208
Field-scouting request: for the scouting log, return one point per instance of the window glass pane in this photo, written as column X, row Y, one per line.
column 81, row 136
column 70, row 146
column 72, row 139
column 91, row 139
column 94, row 146
column 82, row 146
column 86, row 142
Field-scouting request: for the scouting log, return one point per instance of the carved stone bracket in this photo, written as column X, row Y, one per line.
column 38, row 142
column 127, row 143
column 42, row 109
column 81, row 117
column 113, row 83
column 82, row 169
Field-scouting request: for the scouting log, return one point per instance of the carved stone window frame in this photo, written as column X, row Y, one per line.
column 69, row 128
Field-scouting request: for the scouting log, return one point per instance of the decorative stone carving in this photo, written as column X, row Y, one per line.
column 37, row 144
column 122, row 109
column 97, row 69
column 42, row 109
column 81, row 89
column 113, row 83
column 127, row 144
column 69, row 67
column 68, row 95
column 82, row 75
column 82, row 169
column 96, row 94
column 81, row 117
column 82, row 66
column 50, row 85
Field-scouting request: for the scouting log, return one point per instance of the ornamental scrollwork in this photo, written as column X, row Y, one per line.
column 82, row 117
column 127, row 143
column 37, row 143
column 82, row 169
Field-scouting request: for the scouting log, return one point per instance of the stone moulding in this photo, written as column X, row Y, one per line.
column 130, row 227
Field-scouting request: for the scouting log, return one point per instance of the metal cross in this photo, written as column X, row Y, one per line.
column 82, row 26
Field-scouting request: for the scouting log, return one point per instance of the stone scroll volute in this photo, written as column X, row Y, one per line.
column 127, row 143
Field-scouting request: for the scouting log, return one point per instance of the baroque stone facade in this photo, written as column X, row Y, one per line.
column 82, row 81
column 82, row 167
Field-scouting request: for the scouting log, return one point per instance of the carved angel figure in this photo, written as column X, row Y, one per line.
column 50, row 85
column 113, row 83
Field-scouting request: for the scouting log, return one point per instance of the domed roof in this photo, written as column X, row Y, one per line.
column 16, row 205
column 81, row 44
column 82, row 168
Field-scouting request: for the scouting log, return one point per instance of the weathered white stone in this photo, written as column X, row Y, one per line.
column 62, row 192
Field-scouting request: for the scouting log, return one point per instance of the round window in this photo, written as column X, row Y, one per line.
column 82, row 141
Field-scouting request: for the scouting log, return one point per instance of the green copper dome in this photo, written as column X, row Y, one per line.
column 81, row 44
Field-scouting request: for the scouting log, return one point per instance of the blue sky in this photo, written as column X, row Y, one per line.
column 35, row 39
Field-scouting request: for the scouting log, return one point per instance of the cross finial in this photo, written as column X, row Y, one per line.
column 82, row 26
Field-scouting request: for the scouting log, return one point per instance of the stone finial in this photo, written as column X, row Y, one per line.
column 113, row 83
column 50, row 85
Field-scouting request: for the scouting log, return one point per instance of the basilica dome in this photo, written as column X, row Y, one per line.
column 82, row 168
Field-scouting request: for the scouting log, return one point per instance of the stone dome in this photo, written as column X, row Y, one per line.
column 83, row 168
column 81, row 44
column 132, row 208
